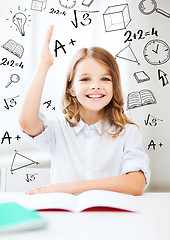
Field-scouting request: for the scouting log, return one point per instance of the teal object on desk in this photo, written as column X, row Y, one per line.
column 14, row 217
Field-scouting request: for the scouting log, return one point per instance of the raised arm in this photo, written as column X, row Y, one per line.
column 29, row 120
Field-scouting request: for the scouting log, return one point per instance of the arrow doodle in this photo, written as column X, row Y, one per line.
column 163, row 76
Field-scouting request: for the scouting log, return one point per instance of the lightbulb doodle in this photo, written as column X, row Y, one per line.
column 20, row 20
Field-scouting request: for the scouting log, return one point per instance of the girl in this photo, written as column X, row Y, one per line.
column 93, row 144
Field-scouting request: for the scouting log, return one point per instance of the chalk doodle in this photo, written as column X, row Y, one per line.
column 152, row 121
column 156, row 52
column 48, row 104
column 67, row 3
column 127, row 54
column 153, row 145
column 11, row 63
column 116, row 17
column 20, row 19
column 31, row 177
column 9, row 138
column 57, row 12
column 86, row 19
column 20, row 161
column 59, row 45
column 14, row 78
column 14, row 47
column 141, row 76
column 38, row 5
column 147, row 7
column 141, row 98
column 163, row 76
column 10, row 102
column 87, row 3
column 140, row 34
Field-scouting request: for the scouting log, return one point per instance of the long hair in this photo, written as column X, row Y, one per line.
column 114, row 111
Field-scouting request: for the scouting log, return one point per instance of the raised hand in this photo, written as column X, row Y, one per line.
column 46, row 55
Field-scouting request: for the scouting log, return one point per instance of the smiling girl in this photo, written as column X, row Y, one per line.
column 92, row 143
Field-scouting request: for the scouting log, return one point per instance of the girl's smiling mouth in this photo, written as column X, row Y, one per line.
column 95, row 96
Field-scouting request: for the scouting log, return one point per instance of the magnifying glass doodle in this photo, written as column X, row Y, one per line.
column 151, row 6
column 13, row 78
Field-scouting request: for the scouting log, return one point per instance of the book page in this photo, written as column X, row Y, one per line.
column 62, row 201
column 133, row 100
column 103, row 198
column 147, row 97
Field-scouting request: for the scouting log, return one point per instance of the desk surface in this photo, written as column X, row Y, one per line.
column 151, row 223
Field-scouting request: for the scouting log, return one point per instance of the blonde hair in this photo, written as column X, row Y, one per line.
column 114, row 111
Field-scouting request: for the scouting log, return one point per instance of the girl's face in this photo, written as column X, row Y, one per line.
column 92, row 86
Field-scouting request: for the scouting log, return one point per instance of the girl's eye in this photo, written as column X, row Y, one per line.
column 106, row 79
column 84, row 79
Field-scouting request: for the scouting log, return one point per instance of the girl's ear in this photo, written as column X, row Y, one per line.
column 72, row 92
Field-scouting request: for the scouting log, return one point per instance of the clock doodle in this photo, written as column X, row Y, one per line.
column 156, row 52
column 67, row 3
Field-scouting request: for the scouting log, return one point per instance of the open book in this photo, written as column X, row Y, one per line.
column 14, row 47
column 92, row 199
column 138, row 99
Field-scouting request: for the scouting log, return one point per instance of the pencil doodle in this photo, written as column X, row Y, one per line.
column 147, row 7
column 127, row 54
column 38, row 5
column 59, row 45
column 152, row 121
column 14, row 47
column 31, row 177
column 20, row 161
column 87, row 3
column 11, row 63
column 141, row 76
column 140, row 34
column 141, row 98
column 156, row 52
column 57, row 12
column 163, row 76
column 116, row 17
column 86, row 19
column 20, row 19
column 48, row 104
column 67, row 3
column 14, row 78
column 10, row 102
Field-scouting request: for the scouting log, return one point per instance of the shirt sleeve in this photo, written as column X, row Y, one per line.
column 134, row 155
column 45, row 140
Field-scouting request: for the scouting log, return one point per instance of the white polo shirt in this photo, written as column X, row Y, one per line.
column 84, row 152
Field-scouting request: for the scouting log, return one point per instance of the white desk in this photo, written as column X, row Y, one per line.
column 152, row 223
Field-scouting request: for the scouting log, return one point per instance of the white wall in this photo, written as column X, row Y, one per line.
column 140, row 27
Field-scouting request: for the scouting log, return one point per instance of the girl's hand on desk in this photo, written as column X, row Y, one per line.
column 57, row 187
column 46, row 55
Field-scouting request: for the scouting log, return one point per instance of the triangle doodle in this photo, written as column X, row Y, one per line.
column 127, row 54
column 18, row 159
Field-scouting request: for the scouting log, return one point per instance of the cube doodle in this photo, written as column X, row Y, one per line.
column 38, row 5
column 116, row 17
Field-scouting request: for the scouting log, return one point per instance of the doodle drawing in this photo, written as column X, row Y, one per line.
column 116, row 17
column 141, row 98
column 19, row 19
column 38, row 5
column 67, row 3
column 163, row 76
column 87, row 3
column 156, row 52
column 127, row 54
column 20, row 161
column 149, row 6
column 141, row 76
column 13, row 78
column 14, row 47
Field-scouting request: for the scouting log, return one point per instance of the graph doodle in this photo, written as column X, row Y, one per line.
column 127, row 54
column 116, row 17
column 149, row 6
column 20, row 161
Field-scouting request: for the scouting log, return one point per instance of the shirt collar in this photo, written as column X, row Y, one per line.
column 98, row 126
